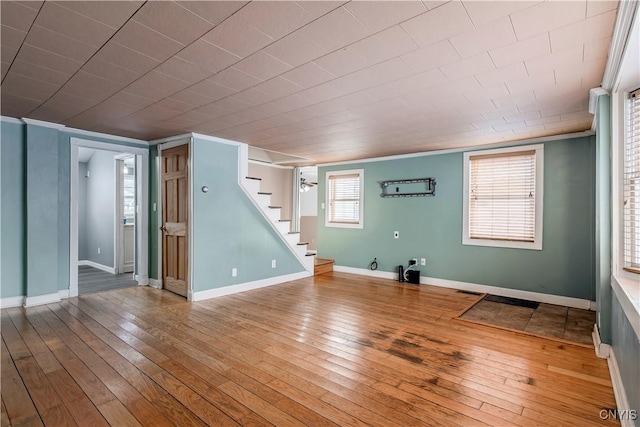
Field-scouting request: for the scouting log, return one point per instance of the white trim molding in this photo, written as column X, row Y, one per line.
column 110, row 270
column 249, row 286
column 42, row 123
column 475, row 287
column 621, row 31
column 155, row 283
column 142, row 205
column 602, row 350
column 622, row 403
column 42, row 299
column 8, row 302
column 63, row 293
column 11, row 120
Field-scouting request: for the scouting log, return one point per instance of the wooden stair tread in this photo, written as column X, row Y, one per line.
column 274, row 207
column 309, row 254
column 322, row 266
column 266, row 194
column 253, row 177
column 294, row 232
column 302, row 243
column 284, row 220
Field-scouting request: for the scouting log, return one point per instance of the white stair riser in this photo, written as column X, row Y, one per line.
column 273, row 214
column 264, row 200
column 252, row 185
column 284, row 227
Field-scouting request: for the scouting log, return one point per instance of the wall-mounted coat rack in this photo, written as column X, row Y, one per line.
column 408, row 187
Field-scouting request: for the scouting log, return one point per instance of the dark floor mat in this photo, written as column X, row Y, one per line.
column 512, row 301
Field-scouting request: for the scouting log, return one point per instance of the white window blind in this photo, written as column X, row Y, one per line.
column 502, row 202
column 344, row 199
column 631, row 186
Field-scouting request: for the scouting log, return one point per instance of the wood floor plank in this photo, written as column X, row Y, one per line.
column 335, row 349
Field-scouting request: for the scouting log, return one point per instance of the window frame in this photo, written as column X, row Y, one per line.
column 539, row 198
column 360, row 223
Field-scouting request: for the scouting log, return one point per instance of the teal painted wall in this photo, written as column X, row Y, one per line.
column 603, row 218
column 431, row 227
column 230, row 231
column 36, row 181
column 626, row 347
column 12, row 224
column 42, row 222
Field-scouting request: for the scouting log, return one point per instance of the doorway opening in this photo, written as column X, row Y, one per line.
column 108, row 216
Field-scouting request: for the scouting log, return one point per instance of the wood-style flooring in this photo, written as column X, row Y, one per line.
column 331, row 350
column 91, row 280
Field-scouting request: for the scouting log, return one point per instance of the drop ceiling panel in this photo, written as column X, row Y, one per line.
column 330, row 80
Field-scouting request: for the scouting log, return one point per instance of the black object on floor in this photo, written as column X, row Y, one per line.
column 512, row 301
column 469, row 293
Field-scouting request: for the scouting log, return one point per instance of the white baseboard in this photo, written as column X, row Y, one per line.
column 155, row 283
column 602, row 350
column 475, row 287
column 242, row 287
column 9, row 302
column 618, row 390
column 93, row 264
column 142, row 280
column 63, row 294
column 42, row 299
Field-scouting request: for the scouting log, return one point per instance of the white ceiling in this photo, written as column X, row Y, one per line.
column 322, row 80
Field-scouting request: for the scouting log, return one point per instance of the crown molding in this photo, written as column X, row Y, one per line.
column 621, row 31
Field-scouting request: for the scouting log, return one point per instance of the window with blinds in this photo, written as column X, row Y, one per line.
column 631, row 185
column 345, row 199
column 502, row 197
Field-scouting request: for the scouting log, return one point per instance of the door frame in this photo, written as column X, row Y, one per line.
column 142, row 188
column 178, row 141
column 118, row 245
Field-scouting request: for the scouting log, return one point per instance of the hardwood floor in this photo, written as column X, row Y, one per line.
column 91, row 280
column 334, row 349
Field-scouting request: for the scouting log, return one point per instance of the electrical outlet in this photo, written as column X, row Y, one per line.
column 234, row 272
column 273, row 263
column 396, row 234
column 98, row 250
column 423, row 261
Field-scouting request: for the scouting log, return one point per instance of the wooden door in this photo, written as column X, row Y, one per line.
column 175, row 219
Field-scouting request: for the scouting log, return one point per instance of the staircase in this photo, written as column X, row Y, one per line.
column 262, row 200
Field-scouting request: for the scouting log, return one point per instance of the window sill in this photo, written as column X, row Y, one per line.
column 627, row 291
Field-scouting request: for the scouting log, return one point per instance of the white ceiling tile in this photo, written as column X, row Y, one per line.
column 524, row 84
column 112, row 13
column 597, row 49
column 475, row 65
column 483, row 12
column 253, row 96
column 591, row 29
column 372, row 76
column 432, row 56
column 335, row 30
column 295, row 49
column 514, row 100
column 522, row 50
column 146, row 41
column 279, row 87
column 163, row 15
column 262, row 66
column 235, row 79
column 438, row 24
column 487, row 92
column 59, row 44
column 378, row 15
column 547, row 16
column 490, row 36
column 241, row 43
column 308, row 75
column 276, row 18
column 596, row 7
column 209, row 88
column 213, row 12
column 555, row 60
column 319, row 8
column 207, row 56
column 508, row 73
column 386, row 44
column 17, row 15
column 11, row 38
column 344, row 61
column 516, row 118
